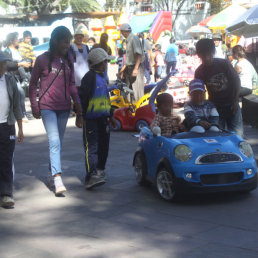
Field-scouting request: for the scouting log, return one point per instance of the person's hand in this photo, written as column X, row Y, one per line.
column 206, row 125
column 79, row 121
column 26, row 64
column 37, row 115
column 78, row 108
column 113, row 122
column 20, row 136
column 135, row 72
column 122, row 76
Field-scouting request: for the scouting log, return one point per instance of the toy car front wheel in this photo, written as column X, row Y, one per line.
column 118, row 126
column 165, row 184
column 140, row 124
column 140, row 168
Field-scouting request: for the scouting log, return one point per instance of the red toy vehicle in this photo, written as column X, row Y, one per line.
column 178, row 89
column 127, row 120
column 182, row 49
column 130, row 120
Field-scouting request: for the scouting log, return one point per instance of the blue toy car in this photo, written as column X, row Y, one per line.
column 209, row 162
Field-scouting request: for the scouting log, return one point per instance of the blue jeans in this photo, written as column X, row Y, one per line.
column 233, row 123
column 147, row 75
column 158, row 73
column 55, row 123
column 171, row 67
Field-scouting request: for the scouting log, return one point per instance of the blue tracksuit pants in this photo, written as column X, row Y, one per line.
column 96, row 134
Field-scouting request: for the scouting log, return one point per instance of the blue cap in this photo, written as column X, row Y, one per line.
column 196, row 84
column 3, row 57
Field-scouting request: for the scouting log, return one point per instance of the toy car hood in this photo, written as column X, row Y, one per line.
column 207, row 142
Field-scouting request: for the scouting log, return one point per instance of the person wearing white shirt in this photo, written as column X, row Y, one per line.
column 80, row 54
column 10, row 111
column 245, row 70
column 219, row 53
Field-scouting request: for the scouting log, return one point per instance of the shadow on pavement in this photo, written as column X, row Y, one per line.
column 119, row 219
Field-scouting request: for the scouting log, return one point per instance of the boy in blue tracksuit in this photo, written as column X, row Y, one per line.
column 96, row 111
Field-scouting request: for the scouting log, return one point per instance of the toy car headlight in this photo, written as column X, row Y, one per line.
column 246, row 149
column 183, row 153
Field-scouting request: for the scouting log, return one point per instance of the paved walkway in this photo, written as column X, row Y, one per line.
column 119, row 219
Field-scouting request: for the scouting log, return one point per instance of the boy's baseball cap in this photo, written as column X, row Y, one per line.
column 196, row 84
column 125, row 27
column 78, row 32
column 216, row 36
column 98, row 55
column 3, row 57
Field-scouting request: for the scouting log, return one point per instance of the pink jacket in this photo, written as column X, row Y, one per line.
column 58, row 96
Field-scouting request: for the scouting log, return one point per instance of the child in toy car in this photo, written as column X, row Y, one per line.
column 200, row 114
column 164, row 119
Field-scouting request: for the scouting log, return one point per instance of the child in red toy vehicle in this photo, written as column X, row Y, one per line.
column 164, row 119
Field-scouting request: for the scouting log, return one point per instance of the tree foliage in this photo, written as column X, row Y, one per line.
column 50, row 6
column 85, row 6
column 171, row 5
column 218, row 5
column 175, row 6
column 115, row 5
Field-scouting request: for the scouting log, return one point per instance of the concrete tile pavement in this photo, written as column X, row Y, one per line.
column 119, row 219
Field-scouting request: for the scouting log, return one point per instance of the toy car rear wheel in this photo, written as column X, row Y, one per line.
column 118, row 126
column 140, row 124
column 165, row 183
column 140, row 168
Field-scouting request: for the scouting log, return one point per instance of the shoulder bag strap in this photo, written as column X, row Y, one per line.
column 51, row 83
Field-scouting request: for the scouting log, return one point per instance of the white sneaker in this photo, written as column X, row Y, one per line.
column 25, row 119
column 7, row 202
column 60, row 188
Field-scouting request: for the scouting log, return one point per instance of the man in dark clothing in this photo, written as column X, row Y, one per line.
column 223, row 85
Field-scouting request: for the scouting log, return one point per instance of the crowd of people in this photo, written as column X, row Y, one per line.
column 77, row 74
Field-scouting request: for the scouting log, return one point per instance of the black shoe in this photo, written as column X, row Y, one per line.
column 93, row 182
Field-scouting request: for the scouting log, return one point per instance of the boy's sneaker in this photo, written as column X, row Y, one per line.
column 7, row 202
column 25, row 119
column 94, row 181
column 60, row 188
column 101, row 174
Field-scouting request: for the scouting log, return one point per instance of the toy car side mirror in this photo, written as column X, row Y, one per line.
column 156, row 131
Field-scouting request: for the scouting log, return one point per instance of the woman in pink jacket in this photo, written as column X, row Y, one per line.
column 54, row 70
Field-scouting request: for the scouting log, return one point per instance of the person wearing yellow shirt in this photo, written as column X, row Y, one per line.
column 26, row 49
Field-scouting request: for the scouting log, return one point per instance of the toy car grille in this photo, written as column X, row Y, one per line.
column 218, row 179
column 218, row 158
